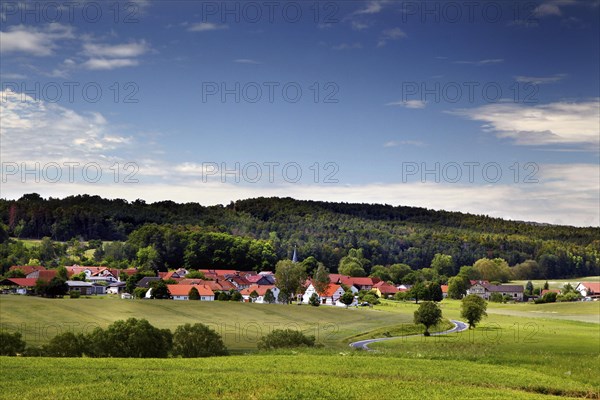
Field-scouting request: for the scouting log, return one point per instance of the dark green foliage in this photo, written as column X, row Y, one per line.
column 197, row 340
column 428, row 314
column 15, row 273
column 496, row 297
column 194, row 294
column 139, row 293
column 74, row 294
column 160, row 290
column 435, row 292
column 131, row 338
column 66, row 344
column 371, row 298
column 269, row 297
column 314, row 300
column 473, row 309
column 11, row 344
column 419, row 291
column 529, row 288
column 285, row 338
column 347, row 298
column 55, row 288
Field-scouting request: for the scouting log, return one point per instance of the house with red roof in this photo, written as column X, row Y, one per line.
column 361, row 283
column 182, row 292
column 27, row 269
column 329, row 296
column 589, row 289
column 260, row 290
column 384, row 290
column 19, row 285
column 444, row 291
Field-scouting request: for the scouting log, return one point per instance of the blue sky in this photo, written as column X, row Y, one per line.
column 497, row 101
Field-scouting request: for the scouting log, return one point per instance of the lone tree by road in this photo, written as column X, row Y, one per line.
column 473, row 309
column 428, row 314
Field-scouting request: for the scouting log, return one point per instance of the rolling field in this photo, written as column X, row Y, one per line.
column 521, row 351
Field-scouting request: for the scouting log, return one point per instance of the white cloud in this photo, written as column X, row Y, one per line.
column 125, row 50
column 206, row 26
column 479, row 63
column 540, row 80
column 544, row 124
column 413, row 104
column 9, row 75
column 108, row 64
column 246, row 61
column 390, row 34
column 35, row 41
column 359, row 26
column 347, row 46
column 397, row 143
column 372, row 7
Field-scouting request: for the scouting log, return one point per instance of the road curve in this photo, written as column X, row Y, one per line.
column 459, row 326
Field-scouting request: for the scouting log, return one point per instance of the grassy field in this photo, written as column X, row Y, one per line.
column 522, row 351
column 240, row 324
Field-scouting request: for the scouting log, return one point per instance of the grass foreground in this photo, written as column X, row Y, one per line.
column 520, row 351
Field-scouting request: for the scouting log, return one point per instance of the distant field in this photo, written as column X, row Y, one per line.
column 521, row 351
column 558, row 283
column 241, row 324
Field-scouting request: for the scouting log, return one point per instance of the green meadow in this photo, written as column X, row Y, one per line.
column 522, row 351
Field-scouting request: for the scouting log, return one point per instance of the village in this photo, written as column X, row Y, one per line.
column 245, row 286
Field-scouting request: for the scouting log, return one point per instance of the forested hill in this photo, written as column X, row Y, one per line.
column 324, row 230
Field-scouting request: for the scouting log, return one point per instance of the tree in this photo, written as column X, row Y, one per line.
column 457, row 287
column 347, row 298
column 529, row 288
column 131, row 338
column 398, row 272
column 253, row 295
column 15, row 273
column 198, row 340
column 147, row 258
column 371, row 298
column 493, row 270
column 62, row 273
column 546, row 286
column 289, row 277
column 160, row 290
column 443, row 264
column 285, row 338
column 269, row 297
column 435, row 292
column 418, row 291
column 66, row 344
column 473, row 309
column 320, row 279
column 195, row 274
column 381, row 272
column 194, row 294
column 428, row 314
column 314, row 300
column 353, row 264
column 11, row 344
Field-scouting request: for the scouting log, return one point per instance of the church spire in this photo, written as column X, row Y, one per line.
column 294, row 256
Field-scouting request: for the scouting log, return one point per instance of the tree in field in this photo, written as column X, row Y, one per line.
column 11, row 344
column 314, row 300
column 198, row 340
column 269, row 297
column 435, row 292
column 353, row 264
column 285, row 338
column 428, row 314
column 418, row 291
column 443, row 264
column 457, row 287
column 135, row 338
column 546, row 286
column 290, row 277
column 473, row 309
column 194, row 294
column 254, row 296
column 347, row 298
column 320, row 279
column 529, row 288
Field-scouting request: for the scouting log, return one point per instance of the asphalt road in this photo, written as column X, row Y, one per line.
column 459, row 326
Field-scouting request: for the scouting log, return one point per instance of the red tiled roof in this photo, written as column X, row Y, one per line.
column 330, row 290
column 260, row 289
column 593, row 286
column 184, row 290
column 46, row 275
column 385, row 288
column 350, row 280
column 24, row 282
column 27, row 269
column 444, row 288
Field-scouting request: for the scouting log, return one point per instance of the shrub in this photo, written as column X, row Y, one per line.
column 194, row 294
column 496, row 297
column 370, row 298
column 237, row 296
column 11, row 344
column 197, row 340
column 74, row 294
column 139, row 293
column 65, row 344
column 571, row 296
column 314, row 300
column 285, row 338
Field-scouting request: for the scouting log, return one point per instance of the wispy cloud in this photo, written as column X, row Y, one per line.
column 414, row 104
column 390, row 34
column 110, row 63
column 397, row 143
column 35, row 41
column 347, row 46
column 546, row 124
column 479, row 63
column 206, row 26
column 246, row 61
column 359, row 26
column 123, row 50
column 372, row 7
column 540, row 80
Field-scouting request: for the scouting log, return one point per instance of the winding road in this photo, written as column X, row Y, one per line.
column 459, row 326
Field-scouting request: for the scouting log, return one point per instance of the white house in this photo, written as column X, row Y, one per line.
column 329, row 296
column 588, row 289
column 485, row 290
column 261, row 290
column 182, row 292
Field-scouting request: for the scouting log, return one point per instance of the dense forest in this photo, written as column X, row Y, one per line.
column 255, row 233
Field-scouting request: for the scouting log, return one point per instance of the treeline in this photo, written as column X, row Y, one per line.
column 255, row 233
